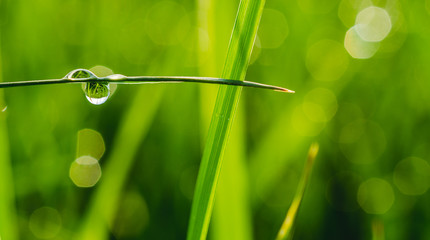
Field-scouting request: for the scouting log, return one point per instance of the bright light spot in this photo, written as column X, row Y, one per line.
column 375, row 196
column 4, row 109
column 85, row 171
column 273, row 29
column 303, row 125
column 90, row 143
column 412, row 176
column 45, row 223
column 373, row 24
column 357, row 47
column 326, row 60
column 320, row 105
column 362, row 141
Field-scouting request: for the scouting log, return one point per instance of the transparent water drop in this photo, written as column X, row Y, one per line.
column 97, row 92
column 116, row 77
column 79, row 74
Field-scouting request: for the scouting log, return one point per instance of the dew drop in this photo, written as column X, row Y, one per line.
column 79, row 74
column 97, row 92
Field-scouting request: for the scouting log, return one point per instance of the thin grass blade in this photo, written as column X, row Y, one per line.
column 238, row 54
column 378, row 232
column 286, row 230
column 8, row 221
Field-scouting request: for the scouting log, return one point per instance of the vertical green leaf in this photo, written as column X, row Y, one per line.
column 7, row 193
column 236, row 64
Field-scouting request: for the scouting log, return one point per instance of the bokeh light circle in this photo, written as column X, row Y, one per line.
column 375, row 196
column 320, row 105
column 326, row 60
column 45, row 223
column 373, row 24
column 273, row 29
column 85, row 171
column 357, row 47
column 412, row 176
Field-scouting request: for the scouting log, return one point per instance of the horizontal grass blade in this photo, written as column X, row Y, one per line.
column 286, row 230
column 238, row 54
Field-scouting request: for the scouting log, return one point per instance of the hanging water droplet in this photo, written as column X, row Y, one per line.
column 79, row 74
column 97, row 92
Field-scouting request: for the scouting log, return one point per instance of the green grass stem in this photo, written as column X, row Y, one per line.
column 286, row 230
column 120, row 79
column 232, row 195
column 238, row 55
column 8, row 223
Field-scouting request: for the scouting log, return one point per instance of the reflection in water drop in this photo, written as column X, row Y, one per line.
column 97, row 92
column 79, row 74
column 85, row 171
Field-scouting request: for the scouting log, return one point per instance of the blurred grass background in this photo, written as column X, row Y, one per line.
column 370, row 117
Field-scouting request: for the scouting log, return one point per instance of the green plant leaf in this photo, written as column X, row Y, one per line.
column 286, row 230
column 8, row 221
column 236, row 64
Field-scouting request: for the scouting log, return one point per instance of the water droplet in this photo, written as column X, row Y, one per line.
column 79, row 74
column 97, row 92
column 116, row 77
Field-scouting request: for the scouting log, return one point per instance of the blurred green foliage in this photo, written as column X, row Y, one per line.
column 370, row 117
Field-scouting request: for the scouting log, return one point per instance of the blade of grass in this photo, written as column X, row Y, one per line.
column 134, row 127
column 7, row 193
column 378, row 229
column 238, row 54
column 232, row 192
column 286, row 230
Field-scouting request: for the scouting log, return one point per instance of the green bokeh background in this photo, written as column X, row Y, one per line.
column 367, row 115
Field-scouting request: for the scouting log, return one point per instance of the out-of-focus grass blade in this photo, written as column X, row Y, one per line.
column 238, row 54
column 7, row 194
column 378, row 230
column 287, row 227
column 133, row 128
